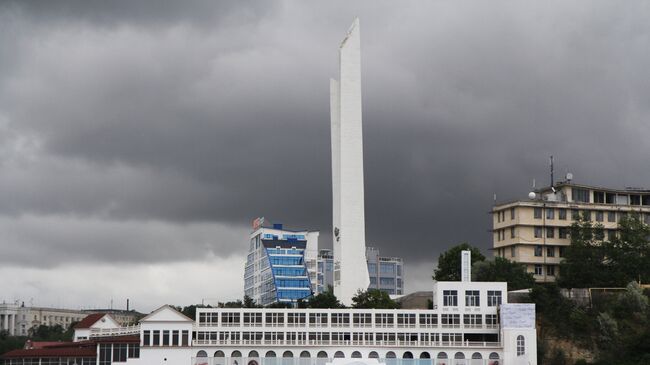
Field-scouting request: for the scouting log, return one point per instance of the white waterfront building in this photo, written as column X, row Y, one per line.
column 471, row 323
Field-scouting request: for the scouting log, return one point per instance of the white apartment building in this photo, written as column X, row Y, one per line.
column 535, row 231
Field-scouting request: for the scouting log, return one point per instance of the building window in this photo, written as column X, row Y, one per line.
column 426, row 320
column 538, row 270
column 513, row 251
column 119, row 352
column 185, row 340
column 611, row 216
column 580, row 195
column 494, row 298
column 599, row 216
column 550, row 232
column 450, row 298
column 550, row 213
column 561, row 250
column 146, row 338
column 134, row 351
column 550, row 251
column 550, row 270
column 586, row 215
column 405, row 319
column 561, row 214
column 512, row 213
column 473, row 320
column 450, row 320
column 537, row 232
column 104, row 354
column 512, row 232
column 563, row 232
column 165, row 338
column 156, row 338
column 175, row 338
column 538, row 251
column 521, row 345
column 491, row 320
column 472, row 298
column 537, row 213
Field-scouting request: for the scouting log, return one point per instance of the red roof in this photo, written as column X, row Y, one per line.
column 86, row 348
column 58, row 351
column 89, row 320
column 41, row 344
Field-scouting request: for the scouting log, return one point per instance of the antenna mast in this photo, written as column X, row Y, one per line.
column 551, row 161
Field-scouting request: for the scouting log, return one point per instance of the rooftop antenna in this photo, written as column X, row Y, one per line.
column 551, row 163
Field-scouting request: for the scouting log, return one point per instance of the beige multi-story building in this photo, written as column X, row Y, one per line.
column 535, row 232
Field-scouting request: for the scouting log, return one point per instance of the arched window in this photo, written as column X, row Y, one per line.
column 305, row 354
column 339, row 355
column 322, row 355
column 356, row 355
column 425, row 355
column 219, row 354
column 287, row 354
column 459, row 355
column 373, row 355
column 494, row 356
column 270, row 354
column 390, row 355
column 201, row 354
column 442, row 355
column 235, row 354
column 477, row 355
column 521, row 345
column 407, row 355
column 253, row 354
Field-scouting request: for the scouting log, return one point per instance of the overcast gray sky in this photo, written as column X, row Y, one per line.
column 140, row 138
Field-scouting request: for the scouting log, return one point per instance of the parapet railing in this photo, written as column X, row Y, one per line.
column 119, row 331
column 396, row 343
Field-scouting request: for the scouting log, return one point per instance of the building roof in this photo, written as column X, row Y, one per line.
column 90, row 320
column 68, row 349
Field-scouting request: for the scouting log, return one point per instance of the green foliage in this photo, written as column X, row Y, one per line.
column 249, row 302
column 592, row 261
column 325, row 299
column 51, row 333
column 279, row 305
column 8, row 343
column 233, row 304
column 449, row 262
column 502, row 269
column 190, row 310
column 373, row 299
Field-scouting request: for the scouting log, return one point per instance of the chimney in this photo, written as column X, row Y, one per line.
column 127, row 304
column 466, row 265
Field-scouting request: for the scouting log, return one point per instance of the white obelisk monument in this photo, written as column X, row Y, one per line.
column 349, row 231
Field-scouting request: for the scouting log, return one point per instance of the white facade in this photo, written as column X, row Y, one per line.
column 107, row 322
column 350, row 271
column 18, row 319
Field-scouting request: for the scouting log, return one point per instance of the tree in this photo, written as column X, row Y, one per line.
column 190, row 310
column 326, row 299
column 449, row 262
column 373, row 299
column 249, row 302
column 629, row 252
column 584, row 263
column 502, row 269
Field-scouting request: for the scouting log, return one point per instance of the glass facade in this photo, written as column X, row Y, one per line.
column 275, row 268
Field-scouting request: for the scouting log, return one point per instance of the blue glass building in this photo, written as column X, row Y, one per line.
column 281, row 265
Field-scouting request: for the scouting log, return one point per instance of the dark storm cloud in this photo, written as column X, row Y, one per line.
column 191, row 114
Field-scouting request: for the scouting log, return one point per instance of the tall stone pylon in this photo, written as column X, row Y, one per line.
column 349, row 231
